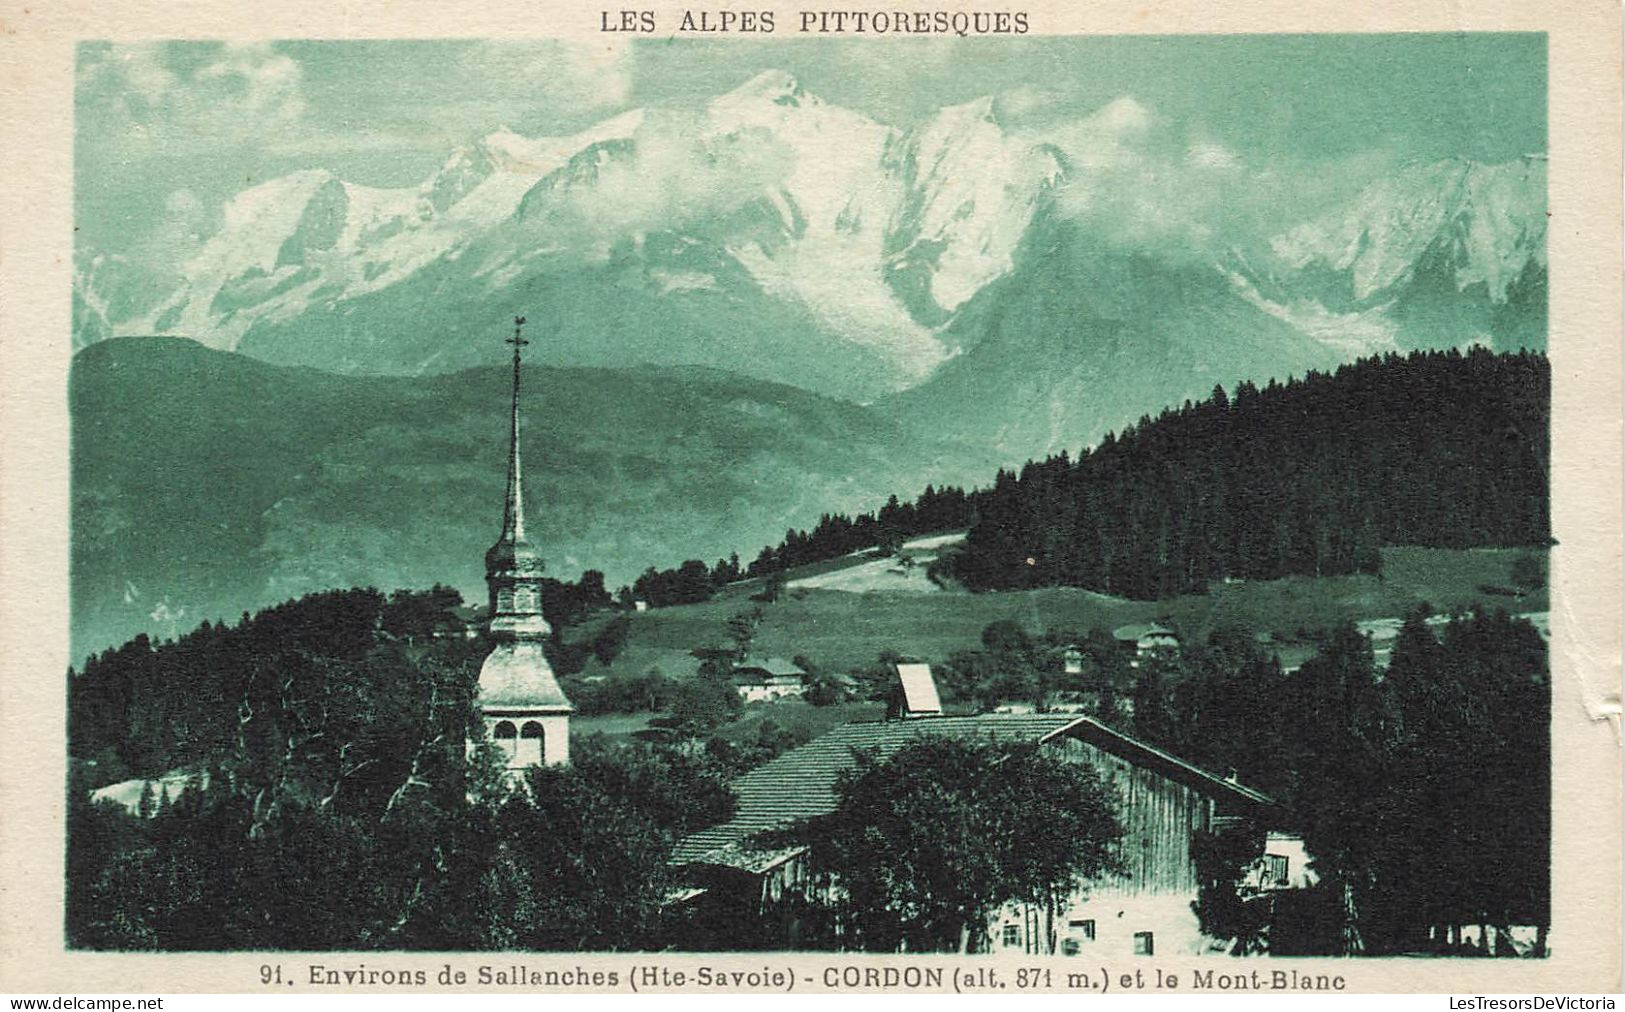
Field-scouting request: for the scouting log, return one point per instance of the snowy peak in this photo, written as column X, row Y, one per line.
column 1437, row 254
column 777, row 87
column 828, row 154
column 1488, row 221
column 971, row 191
column 768, row 227
column 468, row 167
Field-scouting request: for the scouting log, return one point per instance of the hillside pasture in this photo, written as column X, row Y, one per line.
column 839, row 630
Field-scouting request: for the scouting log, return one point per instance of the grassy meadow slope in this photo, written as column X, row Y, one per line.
column 840, row 631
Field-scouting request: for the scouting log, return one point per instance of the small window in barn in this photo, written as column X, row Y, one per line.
column 1012, row 934
column 1277, row 868
column 1083, row 929
column 1143, row 944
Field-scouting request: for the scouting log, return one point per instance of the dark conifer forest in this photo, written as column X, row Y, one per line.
column 1444, row 449
column 1310, row 477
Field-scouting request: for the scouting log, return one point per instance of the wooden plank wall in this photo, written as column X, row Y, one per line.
column 1159, row 816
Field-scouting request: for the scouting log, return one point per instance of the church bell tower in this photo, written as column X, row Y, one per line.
column 526, row 713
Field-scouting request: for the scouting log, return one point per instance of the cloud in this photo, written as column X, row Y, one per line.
column 256, row 82
column 179, row 233
column 581, row 77
column 150, row 99
column 676, row 173
column 1141, row 180
column 1209, row 155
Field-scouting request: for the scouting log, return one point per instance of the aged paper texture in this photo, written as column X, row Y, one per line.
column 1034, row 498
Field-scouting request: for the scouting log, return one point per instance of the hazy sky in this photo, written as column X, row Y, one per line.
column 167, row 132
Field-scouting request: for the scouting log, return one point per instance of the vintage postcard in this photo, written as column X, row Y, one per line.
column 909, row 497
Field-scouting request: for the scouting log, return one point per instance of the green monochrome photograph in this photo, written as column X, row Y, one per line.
column 994, row 494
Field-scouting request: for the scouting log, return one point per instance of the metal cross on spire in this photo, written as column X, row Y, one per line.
column 513, row 522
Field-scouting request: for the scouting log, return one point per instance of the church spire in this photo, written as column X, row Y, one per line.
column 513, row 516
column 513, row 556
column 526, row 713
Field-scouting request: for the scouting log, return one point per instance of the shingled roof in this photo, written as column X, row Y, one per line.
column 801, row 783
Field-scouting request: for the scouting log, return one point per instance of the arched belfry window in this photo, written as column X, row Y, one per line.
column 506, row 736
column 530, row 744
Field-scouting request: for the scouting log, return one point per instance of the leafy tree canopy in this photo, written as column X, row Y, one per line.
column 927, row 843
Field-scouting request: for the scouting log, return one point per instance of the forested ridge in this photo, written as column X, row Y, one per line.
column 1445, row 449
column 1311, row 477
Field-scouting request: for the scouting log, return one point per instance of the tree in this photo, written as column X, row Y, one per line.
column 1336, row 752
column 700, row 704
column 1528, row 572
column 742, row 630
column 611, row 640
column 1006, row 638
column 1228, row 906
column 1154, row 718
column 968, row 675
column 926, row 844
column 592, row 841
column 772, row 588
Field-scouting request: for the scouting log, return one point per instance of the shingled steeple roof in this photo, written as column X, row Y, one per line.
column 513, row 553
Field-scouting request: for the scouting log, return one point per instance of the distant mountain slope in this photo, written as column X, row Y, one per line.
column 206, row 483
column 1436, row 255
column 1078, row 341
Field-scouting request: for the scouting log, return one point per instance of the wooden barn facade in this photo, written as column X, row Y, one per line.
column 743, row 896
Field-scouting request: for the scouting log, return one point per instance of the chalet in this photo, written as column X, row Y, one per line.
column 769, row 681
column 466, row 624
column 1152, row 638
column 1164, row 801
column 1285, row 864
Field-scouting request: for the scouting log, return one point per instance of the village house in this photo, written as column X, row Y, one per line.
column 1285, row 864
column 1164, row 802
column 469, row 621
column 1145, row 639
column 769, row 681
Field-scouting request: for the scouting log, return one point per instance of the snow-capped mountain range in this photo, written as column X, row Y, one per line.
column 777, row 235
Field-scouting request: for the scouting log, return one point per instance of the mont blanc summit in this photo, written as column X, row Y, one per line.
column 772, row 233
